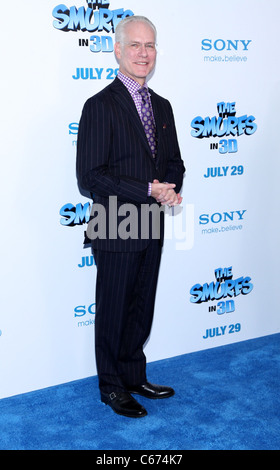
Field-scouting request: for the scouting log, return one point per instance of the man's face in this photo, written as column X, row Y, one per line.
column 137, row 56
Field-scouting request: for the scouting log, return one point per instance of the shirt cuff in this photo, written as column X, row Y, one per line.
column 149, row 189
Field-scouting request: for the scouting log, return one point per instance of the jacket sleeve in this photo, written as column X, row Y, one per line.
column 93, row 157
column 175, row 167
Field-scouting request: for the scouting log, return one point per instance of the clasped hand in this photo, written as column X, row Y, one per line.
column 164, row 194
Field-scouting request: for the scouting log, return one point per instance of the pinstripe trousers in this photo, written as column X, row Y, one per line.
column 125, row 297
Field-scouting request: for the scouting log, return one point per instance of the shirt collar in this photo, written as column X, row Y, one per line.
column 132, row 86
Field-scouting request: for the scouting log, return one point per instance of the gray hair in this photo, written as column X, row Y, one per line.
column 120, row 29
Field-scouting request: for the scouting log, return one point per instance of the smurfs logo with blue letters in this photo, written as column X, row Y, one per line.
column 96, row 18
column 223, row 288
column 227, row 126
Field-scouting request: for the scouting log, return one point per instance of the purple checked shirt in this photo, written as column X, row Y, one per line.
column 133, row 88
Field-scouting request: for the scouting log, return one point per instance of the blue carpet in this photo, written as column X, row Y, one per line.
column 226, row 399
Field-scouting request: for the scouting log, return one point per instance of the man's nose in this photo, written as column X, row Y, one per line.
column 143, row 51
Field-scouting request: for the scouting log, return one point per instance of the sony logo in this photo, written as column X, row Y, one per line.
column 225, row 44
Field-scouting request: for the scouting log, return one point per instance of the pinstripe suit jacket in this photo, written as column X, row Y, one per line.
column 114, row 158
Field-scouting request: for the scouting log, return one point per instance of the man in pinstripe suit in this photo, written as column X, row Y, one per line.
column 123, row 169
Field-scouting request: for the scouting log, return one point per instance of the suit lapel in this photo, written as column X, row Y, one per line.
column 122, row 96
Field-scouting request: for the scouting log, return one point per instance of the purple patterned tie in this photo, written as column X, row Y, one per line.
column 148, row 120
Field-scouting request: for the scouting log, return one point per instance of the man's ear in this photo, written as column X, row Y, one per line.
column 117, row 48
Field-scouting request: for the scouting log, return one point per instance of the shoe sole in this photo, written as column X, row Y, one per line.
column 152, row 398
column 126, row 415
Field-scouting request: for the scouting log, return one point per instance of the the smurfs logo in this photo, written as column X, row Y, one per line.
column 225, row 287
column 226, row 125
column 97, row 17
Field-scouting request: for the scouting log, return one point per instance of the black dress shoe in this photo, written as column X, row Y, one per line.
column 152, row 391
column 124, row 404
